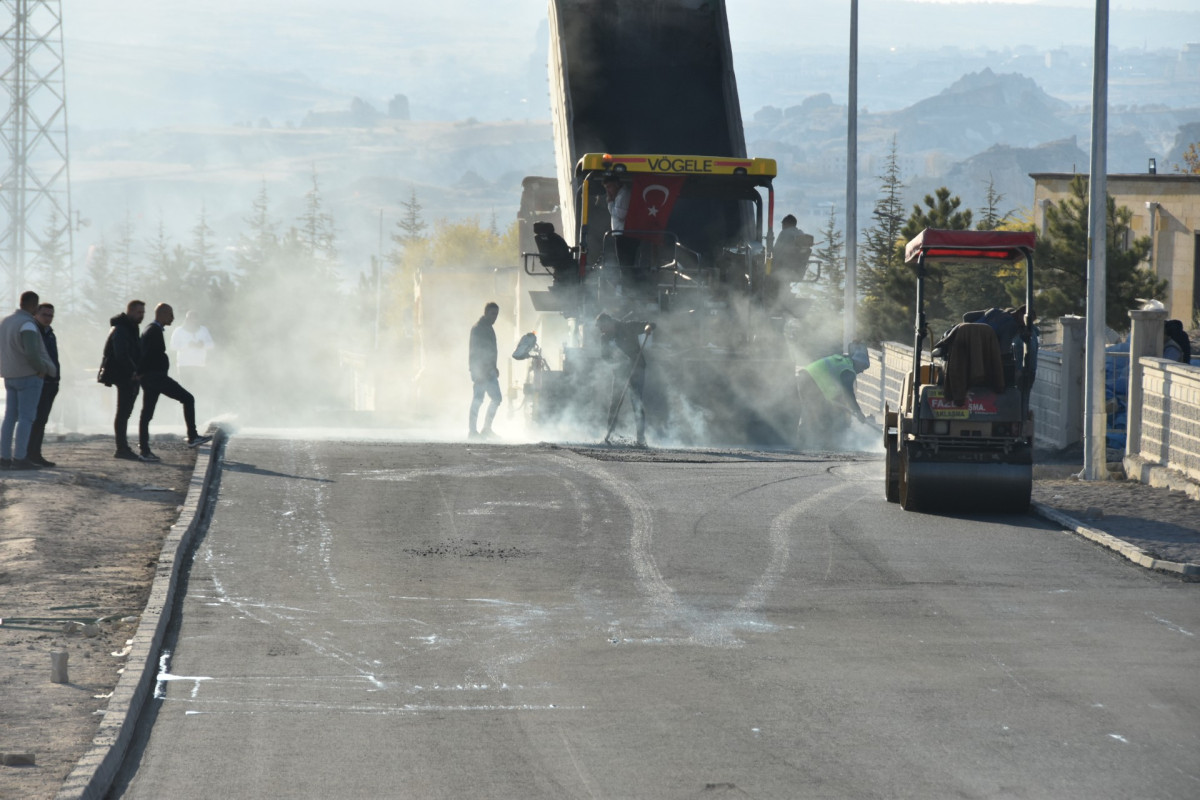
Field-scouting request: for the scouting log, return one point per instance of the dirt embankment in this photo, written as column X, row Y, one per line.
column 78, row 548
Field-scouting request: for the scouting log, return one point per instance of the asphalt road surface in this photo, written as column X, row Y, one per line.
column 388, row 620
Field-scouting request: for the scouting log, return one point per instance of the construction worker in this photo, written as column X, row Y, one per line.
column 624, row 337
column 485, row 375
column 827, row 401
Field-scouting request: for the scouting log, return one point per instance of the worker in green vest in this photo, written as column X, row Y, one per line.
column 827, row 401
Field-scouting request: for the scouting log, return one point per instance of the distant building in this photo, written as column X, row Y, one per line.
column 1166, row 207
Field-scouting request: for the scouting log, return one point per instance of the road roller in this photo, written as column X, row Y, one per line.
column 961, row 437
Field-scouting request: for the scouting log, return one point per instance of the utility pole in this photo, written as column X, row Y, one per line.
column 35, row 190
column 850, row 300
column 1095, row 427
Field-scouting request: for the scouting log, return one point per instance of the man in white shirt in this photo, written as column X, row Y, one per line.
column 618, row 194
column 191, row 343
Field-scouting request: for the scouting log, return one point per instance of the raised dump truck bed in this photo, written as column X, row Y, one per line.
column 641, row 76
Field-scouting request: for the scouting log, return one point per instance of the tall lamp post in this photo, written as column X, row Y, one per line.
column 850, row 299
column 1095, row 451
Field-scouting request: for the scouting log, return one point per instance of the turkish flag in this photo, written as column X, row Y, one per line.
column 651, row 199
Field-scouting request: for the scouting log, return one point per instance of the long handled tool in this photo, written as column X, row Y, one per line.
column 612, row 417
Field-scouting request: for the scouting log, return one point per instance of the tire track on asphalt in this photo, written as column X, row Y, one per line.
column 664, row 600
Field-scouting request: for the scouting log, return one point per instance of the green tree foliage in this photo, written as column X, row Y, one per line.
column 316, row 232
column 880, row 319
column 831, row 289
column 406, row 256
column 121, row 256
column 990, row 218
column 164, row 271
column 259, row 239
column 102, row 294
column 55, row 263
column 1191, row 160
column 1060, row 278
column 412, row 225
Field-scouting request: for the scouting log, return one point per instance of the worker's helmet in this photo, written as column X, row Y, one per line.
column 859, row 356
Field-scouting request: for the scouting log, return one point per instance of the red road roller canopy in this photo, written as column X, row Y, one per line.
column 934, row 243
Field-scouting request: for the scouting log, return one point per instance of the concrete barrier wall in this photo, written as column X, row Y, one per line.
column 884, row 379
column 1048, row 401
column 1170, row 419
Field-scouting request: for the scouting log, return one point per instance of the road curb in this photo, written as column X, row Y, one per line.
column 95, row 771
column 1132, row 552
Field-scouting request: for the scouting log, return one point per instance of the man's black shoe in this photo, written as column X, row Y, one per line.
column 41, row 462
column 148, row 456
column 127, row 454
column 196, row 441
column 5, row 463
column 23, row 463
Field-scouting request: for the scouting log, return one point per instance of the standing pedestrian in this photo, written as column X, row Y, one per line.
column 23, row 365
column 485, row 375
column 45, row 316
column 153, row 368
column 624, row 337
column 122, row 352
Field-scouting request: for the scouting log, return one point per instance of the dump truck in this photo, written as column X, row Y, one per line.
column 962, row 435
column 643, row 94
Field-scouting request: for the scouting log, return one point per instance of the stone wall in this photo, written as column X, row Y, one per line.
column 1170, row 419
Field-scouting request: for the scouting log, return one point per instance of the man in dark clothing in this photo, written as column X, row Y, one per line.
column 45, row 316
column 153, row 368
column 624, row 337
column 122, row 352
column 484, row 372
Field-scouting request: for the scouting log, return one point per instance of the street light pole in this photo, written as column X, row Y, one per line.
column 1095, row 452
column 850, row 299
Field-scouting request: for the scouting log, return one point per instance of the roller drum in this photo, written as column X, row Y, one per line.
column 964, row 486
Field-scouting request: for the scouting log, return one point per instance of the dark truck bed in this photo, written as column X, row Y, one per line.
column 641, row 76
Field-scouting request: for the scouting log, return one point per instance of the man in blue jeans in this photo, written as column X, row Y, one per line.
column 23, row 365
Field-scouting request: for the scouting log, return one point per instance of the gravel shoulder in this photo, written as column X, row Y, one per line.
column 79, row 544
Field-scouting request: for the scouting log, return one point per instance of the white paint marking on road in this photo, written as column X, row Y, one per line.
column 164, row 677
column 1119, row 738
column 706, row 630
column 465, row 471
column 1169, row 624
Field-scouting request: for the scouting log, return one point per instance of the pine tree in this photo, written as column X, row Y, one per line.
column 103, row 297
column 203, row 251
column 121, row 257
column 411, row 224
column 54, row 260
column 1060, row 278
column 880, row 318
column 941, row 211
column 316, row 231
column 830, row 255
column 990, row 218
column 260, row 240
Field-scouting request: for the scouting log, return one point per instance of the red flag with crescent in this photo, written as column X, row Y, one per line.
column 651, row 199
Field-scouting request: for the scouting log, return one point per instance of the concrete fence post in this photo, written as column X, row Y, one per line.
column 1073, row 337
column 1145, row 339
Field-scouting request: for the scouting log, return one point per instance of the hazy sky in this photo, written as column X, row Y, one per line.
column 243, row 23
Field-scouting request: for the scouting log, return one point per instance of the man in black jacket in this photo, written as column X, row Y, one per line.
column 485, row 375
column 122, row 352
column 155, row 381
column 45, row 317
